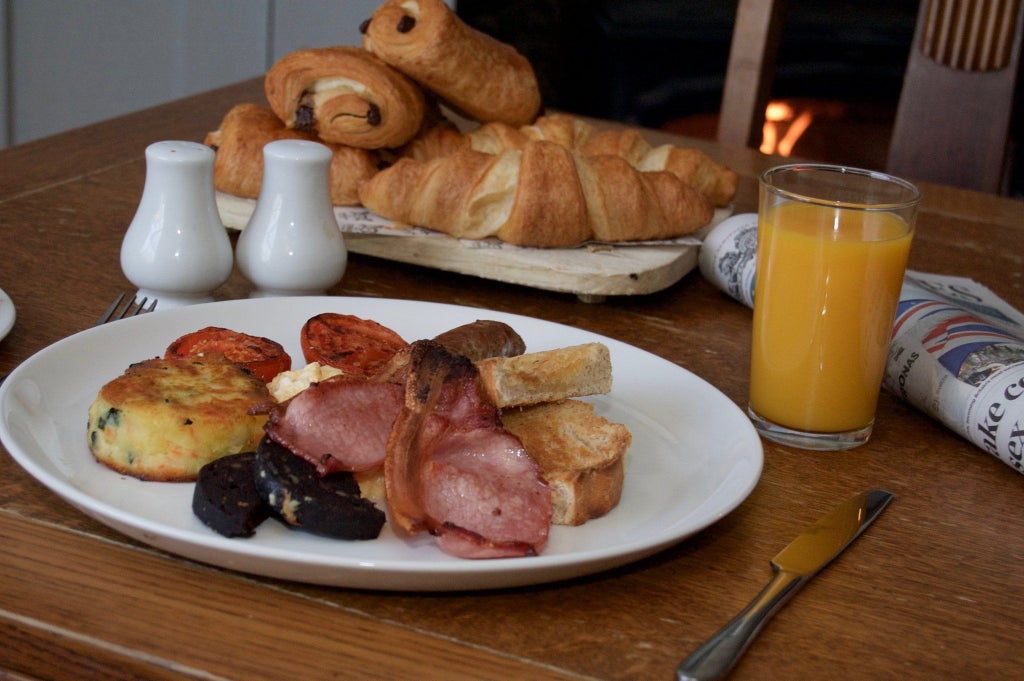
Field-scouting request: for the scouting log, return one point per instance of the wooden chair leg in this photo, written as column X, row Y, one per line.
column 750, row 71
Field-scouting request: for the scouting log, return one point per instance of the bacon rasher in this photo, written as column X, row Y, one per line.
column 453, row 471
column 341, row 424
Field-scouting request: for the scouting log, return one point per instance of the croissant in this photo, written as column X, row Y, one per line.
column 567, row 130
column 693, row 166
column 496, row 137
column 481, row 77
column 544, row 195
column 442, row 139
column 239, row 142
column 345, row 95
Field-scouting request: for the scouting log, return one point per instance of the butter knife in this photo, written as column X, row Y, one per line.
column 794, row 566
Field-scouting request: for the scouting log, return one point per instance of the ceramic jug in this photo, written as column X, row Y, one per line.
column 176, row 248
column 292, row 244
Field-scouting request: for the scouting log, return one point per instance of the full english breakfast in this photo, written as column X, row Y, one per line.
column 465, row 436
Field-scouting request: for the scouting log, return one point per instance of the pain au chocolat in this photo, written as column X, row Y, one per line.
column 345, row 95
column 483, row 78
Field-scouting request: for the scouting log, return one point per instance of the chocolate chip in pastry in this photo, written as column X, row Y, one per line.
column 345, row 95
column 479, row 76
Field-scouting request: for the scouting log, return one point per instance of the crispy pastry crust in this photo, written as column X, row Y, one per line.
column 345, row 95
column 692, row 166
column 543, row 196
column 239, row 142
column 483, row 78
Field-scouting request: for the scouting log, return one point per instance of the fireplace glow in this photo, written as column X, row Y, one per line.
column 783, row 126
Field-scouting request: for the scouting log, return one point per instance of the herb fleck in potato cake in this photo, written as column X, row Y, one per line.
column 165, row 418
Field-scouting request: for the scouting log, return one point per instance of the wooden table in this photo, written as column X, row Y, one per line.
column 933, row 590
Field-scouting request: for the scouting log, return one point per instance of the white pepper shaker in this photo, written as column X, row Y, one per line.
column 176, row 248
column 292, row 244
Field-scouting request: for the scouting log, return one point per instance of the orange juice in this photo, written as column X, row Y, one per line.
column 828, row 282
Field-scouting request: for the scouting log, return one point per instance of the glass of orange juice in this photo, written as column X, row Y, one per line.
column 832, row 249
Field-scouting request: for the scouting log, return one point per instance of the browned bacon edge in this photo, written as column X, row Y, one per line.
column 448, row 437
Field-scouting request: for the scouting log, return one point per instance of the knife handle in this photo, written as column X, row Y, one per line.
column 718, row 655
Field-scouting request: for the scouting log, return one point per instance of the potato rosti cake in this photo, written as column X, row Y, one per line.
column 165, row 418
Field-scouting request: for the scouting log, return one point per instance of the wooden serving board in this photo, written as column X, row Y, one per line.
column 592, row 272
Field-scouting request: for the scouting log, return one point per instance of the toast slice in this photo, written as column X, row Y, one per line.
column 581, row 455
column 547, row 376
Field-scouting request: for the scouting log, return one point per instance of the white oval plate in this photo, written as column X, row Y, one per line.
column 7, row 314
column 695, row 456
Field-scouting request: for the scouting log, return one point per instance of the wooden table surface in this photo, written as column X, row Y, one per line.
column 932, row 590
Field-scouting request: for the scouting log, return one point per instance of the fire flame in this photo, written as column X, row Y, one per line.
column 781, row 116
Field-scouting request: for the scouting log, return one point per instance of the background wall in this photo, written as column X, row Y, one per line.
column 68, row 63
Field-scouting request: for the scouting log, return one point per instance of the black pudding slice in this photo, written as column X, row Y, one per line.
column 226, row 498
column 328, row 505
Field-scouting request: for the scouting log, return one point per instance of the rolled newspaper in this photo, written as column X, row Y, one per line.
column 957, row 349
column 727, row 256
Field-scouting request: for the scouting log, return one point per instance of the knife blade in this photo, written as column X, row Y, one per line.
column 794, row 566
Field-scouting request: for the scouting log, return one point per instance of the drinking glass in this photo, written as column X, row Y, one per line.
column 832, row 249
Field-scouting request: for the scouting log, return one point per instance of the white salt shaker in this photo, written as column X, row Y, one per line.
column 292, row 244
column 176, row 249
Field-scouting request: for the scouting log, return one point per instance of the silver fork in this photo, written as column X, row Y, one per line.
column 120, row 309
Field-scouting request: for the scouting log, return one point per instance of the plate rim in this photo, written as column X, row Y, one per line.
column 361, row 573
column 8, row 314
